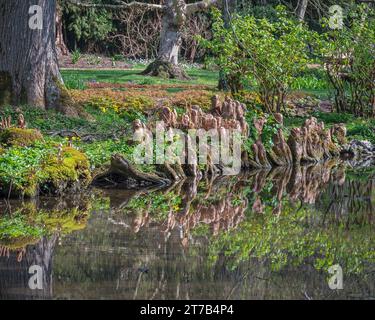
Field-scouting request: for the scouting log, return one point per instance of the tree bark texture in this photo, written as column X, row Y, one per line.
column 166, row 64
column 29, row 71
column 62, row 49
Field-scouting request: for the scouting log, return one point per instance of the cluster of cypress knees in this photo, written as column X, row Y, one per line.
column 312, row 143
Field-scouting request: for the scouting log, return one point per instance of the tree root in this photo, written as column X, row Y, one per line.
column 122, row 174
column 165, row 69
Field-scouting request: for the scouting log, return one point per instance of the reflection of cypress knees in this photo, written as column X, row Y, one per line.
column 303, row 183
column 218, row 213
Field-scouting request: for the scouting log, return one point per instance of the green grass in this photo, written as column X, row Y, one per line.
column 75, row 79
column 100, row 124
column 313, row 82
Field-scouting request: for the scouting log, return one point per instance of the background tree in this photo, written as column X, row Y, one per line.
column 175, row 14
column 61, row 47
column 228, row 8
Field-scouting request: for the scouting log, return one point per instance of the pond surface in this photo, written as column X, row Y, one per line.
column 263, row 235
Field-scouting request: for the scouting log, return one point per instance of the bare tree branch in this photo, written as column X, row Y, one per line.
column 190, row 8
column 201, row 5
column 120, row 5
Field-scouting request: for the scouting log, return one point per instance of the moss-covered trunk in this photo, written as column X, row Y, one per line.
column 29, row 71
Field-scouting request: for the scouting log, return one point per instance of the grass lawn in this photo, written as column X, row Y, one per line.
column 75, row 79
column 311, row 83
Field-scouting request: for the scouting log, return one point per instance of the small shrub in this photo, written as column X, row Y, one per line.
column 76, row 56
column 261, row 54
column 350, row 62
column 74, row 82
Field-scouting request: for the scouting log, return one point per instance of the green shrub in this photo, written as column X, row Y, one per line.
column 350, row 62
column 76, row 56
column 73, row 82
column 260, row 53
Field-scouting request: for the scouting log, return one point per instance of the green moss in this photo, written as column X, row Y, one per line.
column 28, row 224
column 14, row 244
column 19, row 137
column 43, row 168
column 64, row 170
column 29, row 189
column 64, row 222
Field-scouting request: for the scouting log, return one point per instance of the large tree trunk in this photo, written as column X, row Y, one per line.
column 29, row 71
column 166, row 64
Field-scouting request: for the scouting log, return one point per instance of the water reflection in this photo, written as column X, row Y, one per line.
column 266, row 234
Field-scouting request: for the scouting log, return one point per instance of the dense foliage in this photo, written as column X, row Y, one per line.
column 350, row 62
column 260, row 53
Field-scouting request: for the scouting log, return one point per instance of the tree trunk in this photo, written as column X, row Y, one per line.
column 15, row 276
column 302, row 9
column 166, row 64
column 228, row 8
column 62, row 49
column 29, row 71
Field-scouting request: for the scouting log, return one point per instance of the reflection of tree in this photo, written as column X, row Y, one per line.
column 21, row 248
column 340, row 231
column 222, row 205
column 266, row 220
column 136, row 251
column 14, row 277
column 352, row 199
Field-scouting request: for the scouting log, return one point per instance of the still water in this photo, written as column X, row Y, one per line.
column 262, row 235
